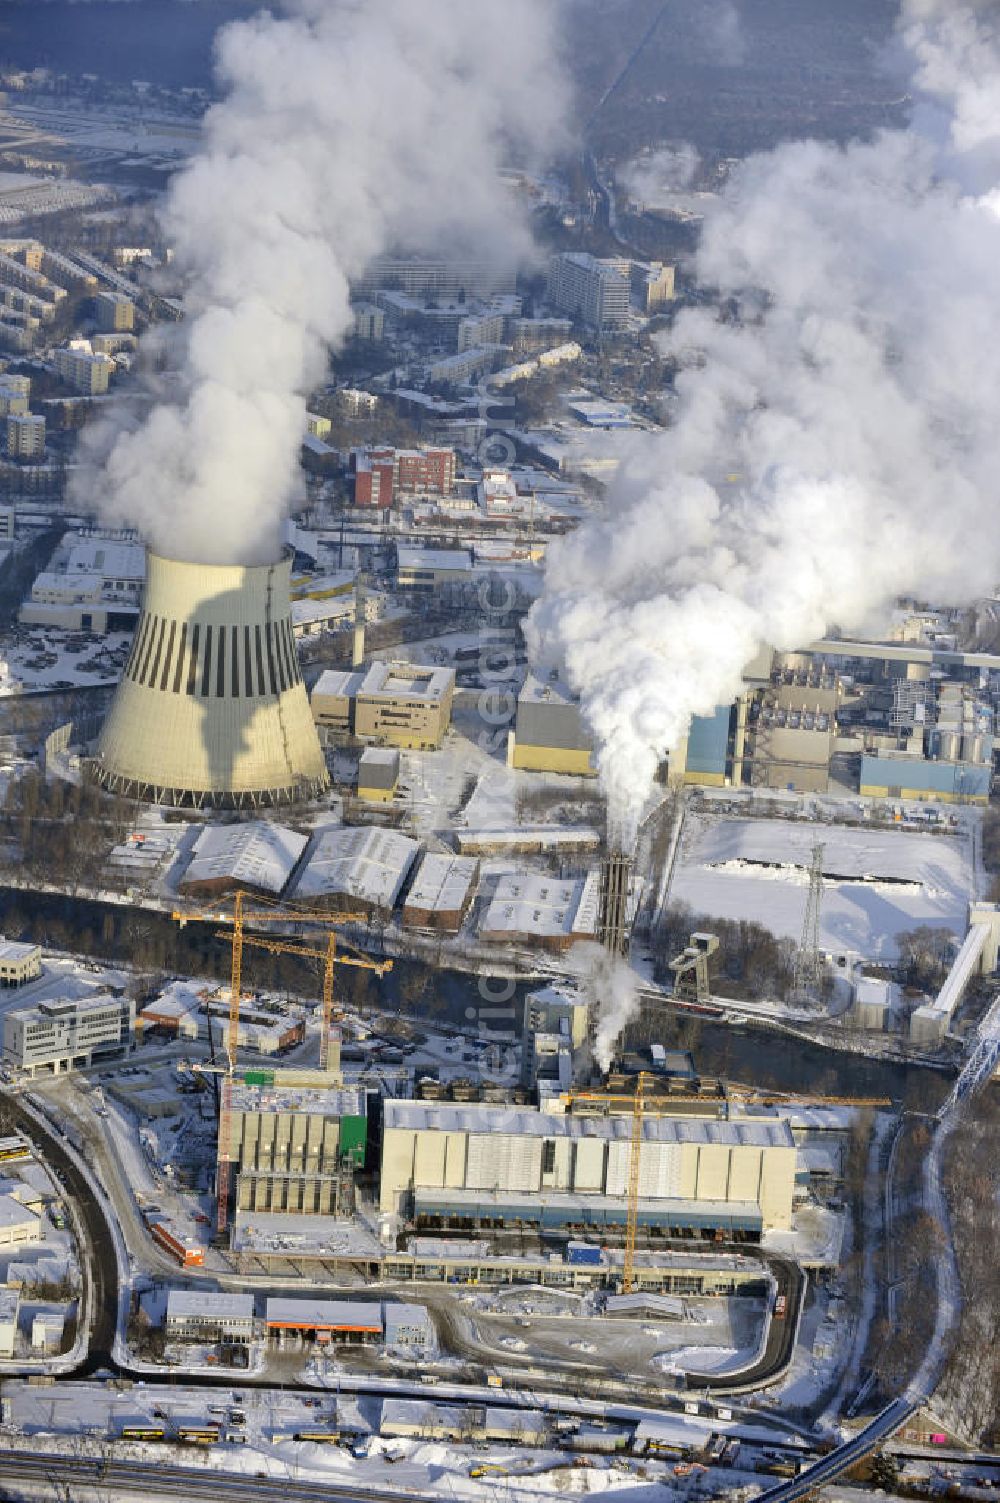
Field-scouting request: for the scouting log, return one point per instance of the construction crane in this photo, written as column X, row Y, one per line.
column 242, row 916
column 637, row 1104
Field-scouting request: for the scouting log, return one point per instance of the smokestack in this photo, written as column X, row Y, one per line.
column 358, row 641
column 613, row 924
column 211, row 711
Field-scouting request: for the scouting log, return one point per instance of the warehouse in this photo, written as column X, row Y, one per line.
column 324, row 1320
column 461, row 1422
column 257, row 856
column 361, row 869
column 440, row 893
column 195, row 1315
column 291, row 1143
column 466, row 1165
column 535, row 909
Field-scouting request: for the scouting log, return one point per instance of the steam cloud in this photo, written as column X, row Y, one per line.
column 344, row 130
column 835, row 445
column 610, row 986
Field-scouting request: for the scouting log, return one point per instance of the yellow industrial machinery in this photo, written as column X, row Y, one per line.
column 271, row 913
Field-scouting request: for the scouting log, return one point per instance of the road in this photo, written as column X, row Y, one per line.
column 977, row 1072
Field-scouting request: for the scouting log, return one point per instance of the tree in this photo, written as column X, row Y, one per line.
column 884, row 1472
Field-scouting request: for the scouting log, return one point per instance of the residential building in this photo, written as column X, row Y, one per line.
column 115, row 313
column 60, row 1035
column 369, row 323
column 420, row 276
column 84, row 371
column 317, row 425
column 596, row 291
column 25, row 436
column 652, row 286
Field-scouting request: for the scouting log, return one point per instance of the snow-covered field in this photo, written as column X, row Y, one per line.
column 877, row 882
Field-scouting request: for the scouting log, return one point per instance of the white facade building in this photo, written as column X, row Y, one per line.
column 597, row 291
column 65, row 1034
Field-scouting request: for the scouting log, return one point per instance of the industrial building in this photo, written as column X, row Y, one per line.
column 68, row 1033
column 549, row 734
column 18, row 1224
column 463, row 1423
column 258, row 857
column 93, row 582
column 533, row 908
column 362, row 869
column 10, row 1305
column 195, row 1315
column 408, row 1326
column 378, row 774
column 389, row 704
column 469, row 1165
column 211, row 710
column 441, row 893
column 352, row 1321
column 428, row 569
column 19, row 962
column 554, row 1031
column 295, row 1145
column 598, row 291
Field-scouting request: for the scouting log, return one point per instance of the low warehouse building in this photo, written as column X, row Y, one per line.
column 18, row 1224
column 536, row 909
column 440, row 893
column 417, row 1418
column 409, row 1326
column 257, row 856
column 324, row 1320
column 361, row 869
column 467, row 1165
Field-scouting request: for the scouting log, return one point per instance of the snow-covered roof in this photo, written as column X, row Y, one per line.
column 324, row 1314
column 537, row 904
column 442, row 883
column 13, row 1213
column 476, row 1117
column 407, row 681
column 204, row 1304
column 257, row 854
column 443, row 559
column 368, row 864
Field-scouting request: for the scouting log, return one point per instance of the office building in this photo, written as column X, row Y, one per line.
column 210, row 1317
column 19, row 962
column 389, row 704
column 55, row 1036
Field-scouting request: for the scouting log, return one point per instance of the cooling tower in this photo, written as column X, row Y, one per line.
column 211, row 709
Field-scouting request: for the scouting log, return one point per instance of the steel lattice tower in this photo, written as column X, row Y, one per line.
column 808, row 965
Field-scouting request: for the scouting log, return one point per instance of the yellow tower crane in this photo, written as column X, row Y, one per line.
column 271, row 913
column 637, row 1104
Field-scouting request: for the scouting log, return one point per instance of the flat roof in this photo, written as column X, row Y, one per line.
column 256, row 854
column 313, row 1101
column 479, row 1117
column 198, row 1304
column 14, row 1213
column 458, row 559
column 11, row 950
column 338, row 683
column 323, row 1315
column 399, row 680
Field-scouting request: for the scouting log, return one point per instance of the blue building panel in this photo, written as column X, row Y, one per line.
column 957, row 779
column 708, row 742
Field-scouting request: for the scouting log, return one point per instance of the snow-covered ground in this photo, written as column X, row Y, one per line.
column 877, row 883
column 46, row 658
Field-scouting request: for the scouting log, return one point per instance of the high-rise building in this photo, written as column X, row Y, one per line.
column 25, row 436
column 596, row 291
column 115, row 312
column 86, row 372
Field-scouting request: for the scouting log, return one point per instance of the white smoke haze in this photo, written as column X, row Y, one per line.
column 345, row 129
column 834, row 448
column 654, row 178
column 610, row 987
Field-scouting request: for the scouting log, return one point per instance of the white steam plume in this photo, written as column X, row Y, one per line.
column 346, row 128
column 610, row 987
column 854, row 401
